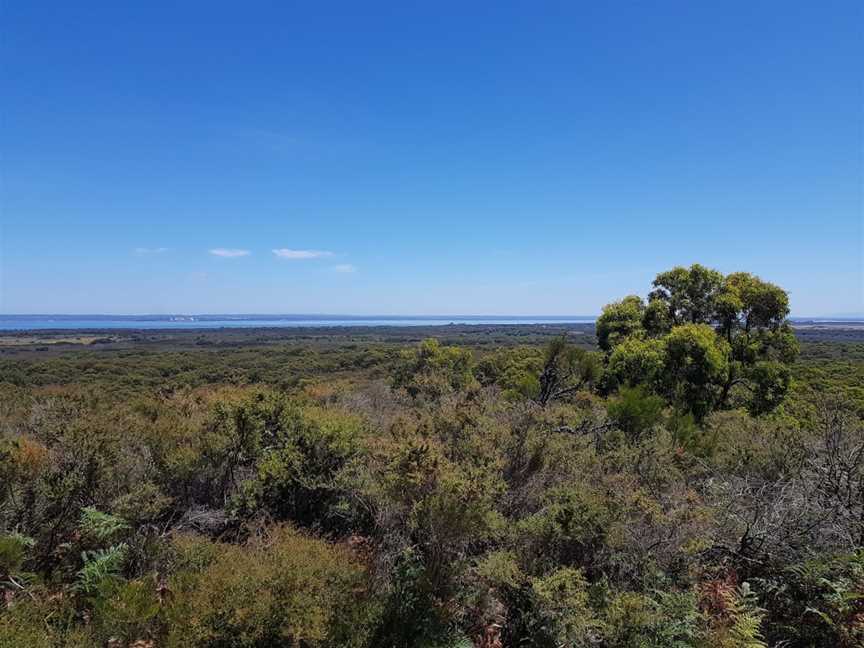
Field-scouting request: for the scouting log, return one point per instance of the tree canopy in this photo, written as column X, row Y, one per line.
column 703, row 340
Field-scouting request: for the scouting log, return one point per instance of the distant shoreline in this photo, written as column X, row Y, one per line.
column 284, row 317
column 188, row 322
column 35, row 323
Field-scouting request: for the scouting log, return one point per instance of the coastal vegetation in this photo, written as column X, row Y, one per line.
column 688, row 473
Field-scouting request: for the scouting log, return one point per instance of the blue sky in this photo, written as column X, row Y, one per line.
column 424, row 158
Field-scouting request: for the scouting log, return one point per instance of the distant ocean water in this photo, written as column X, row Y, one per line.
column 85, row 322
column 82, row 322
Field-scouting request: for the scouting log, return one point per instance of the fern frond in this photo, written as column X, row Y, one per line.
column 100, row 565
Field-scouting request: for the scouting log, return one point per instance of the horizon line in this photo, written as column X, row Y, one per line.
column 323, row 315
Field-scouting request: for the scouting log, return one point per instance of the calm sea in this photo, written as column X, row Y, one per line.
column 35, row 322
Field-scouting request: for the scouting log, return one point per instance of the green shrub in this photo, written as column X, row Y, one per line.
column 127, row 610
column 433, row 370
column 561, row 600
column 281, row 588
column 635, row 411
column 664, row 620
column 43, row 622
column 568, row 531
column 299, row 477
column 13, row 550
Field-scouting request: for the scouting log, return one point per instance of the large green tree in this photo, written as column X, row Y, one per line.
column 703, row 340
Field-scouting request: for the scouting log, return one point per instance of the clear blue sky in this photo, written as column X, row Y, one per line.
column 425, row 158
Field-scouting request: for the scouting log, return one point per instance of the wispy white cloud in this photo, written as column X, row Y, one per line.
column 229, row 253
column 286, row 253
column 144, row 251
column 344, row 268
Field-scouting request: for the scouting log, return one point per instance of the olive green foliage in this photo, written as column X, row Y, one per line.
column 433, row 370
column 635, row 411
column 562, row 603
column 281, row 588
column 515, row 371
column 13, row 548
column 300, row 471
column 675, row 489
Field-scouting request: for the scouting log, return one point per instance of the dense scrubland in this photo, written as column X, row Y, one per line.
column 688, row 473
